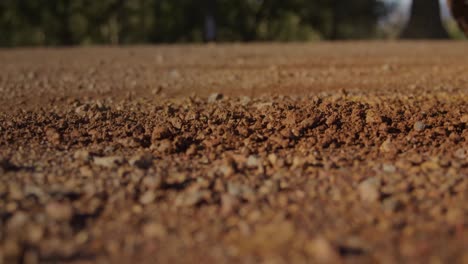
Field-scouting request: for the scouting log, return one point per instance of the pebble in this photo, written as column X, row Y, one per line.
column 82, row 155
column 53, row 136
column 148, row 197
column 165, row 146
column 215, row 97
column 154, row 230
column 191, row 198
column 86, row 171
column 464, row 119
column 175, row 74
column 82, row 110
column 226, row 170
column 108, row 162
column 151, row 181
column 369, row 190
column 322, row 250
column 387, row 146
column 430, row 165
column 59, row 211
column 243, row 186
column 389, row 168
column 161, row 132
column 245, row 100
column 419, row 126
column 461, row 153
column 371, row 117
column 253, row 162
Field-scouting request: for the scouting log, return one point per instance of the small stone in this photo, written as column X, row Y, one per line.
column 161, row 132
column 371, row 117
column 82, row 155
column 148, row 197
column 86, row 171
column 108, row 162
column 154, row 230
column 389, row 168
column 53, row 136
column 176, row 123
column 322, row 250
column 59, row 211
column 215, row 97
column 245, row 100
column 273, row 159
column 176, row 178
column 175, row 74
column 151, row 182
column 157, row 90
column 297, row 162
column 81, row 110
column 430, row 165
column 239, row 190
column 192, row 150
column 460, row 153
column 226, row 170
column 464, row 118
column 164, row 146
column 191, row 198
column 419, row 126
column 369, row 190
column 386, row 67
column 387, row 146
column 82, row 237
column 253, row 162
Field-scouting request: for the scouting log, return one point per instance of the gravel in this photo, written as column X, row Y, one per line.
column 94, row 168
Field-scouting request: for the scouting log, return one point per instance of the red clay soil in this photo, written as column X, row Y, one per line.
column 299, row 153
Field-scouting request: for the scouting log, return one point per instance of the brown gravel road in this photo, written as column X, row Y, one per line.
column 300, row 153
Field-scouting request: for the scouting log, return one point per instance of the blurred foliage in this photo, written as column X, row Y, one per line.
column 77, row 22
column 453, row 30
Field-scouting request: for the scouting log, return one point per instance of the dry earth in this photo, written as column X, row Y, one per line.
column 304, row 153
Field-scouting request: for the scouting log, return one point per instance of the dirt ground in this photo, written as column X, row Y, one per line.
column 300, row 153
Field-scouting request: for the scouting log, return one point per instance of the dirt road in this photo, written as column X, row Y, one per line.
column 331, row 152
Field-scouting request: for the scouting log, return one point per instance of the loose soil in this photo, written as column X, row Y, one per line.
column 300, row 153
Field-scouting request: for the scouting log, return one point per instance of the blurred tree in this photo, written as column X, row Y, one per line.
column 77, row 22
column 459, row 9
column 355, row 19
column 425, row 21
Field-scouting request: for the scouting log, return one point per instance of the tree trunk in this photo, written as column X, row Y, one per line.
column 425, row 21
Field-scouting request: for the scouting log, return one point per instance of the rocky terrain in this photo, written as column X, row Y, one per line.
column 323, row 153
